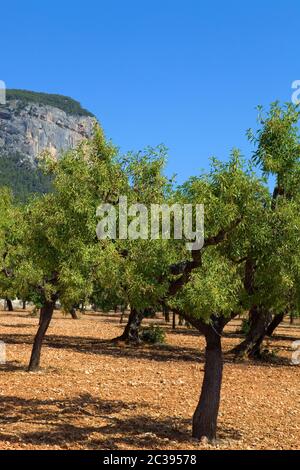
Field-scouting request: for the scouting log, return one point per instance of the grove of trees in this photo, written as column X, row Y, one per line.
column 249, row 262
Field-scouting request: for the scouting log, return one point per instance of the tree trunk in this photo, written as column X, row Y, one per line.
column 24, row 304
column 291, row 319
column 206, row 413
column 131, row 331
column 174, row 321
column 166, row 313
column 74, row 313
column 45, row 319
column 274, row 323
column 9, row 304
column 251, row 346
column 180, row 322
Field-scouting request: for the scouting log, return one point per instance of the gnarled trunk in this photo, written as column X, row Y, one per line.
column 132, row 329
column 251, row 346
column 274, row 324
column 206, row 413
column 45, row 319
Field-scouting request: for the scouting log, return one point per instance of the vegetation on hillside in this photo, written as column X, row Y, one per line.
column 69, row 105
column 23, row 179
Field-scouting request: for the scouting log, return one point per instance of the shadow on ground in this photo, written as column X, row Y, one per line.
column 159, row 353
column 89, row 345
column 104, row 424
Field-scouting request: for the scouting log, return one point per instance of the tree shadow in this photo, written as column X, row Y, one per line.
column 160, row 353
column 183, row 331
column 283, row 338
column 7, row 315
column 275, row 337
column 233, row 334
column 16, row 325
column 12, row 366
column 266, row 360
column 92, row 423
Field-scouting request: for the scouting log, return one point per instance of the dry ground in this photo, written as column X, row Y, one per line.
column 93, row 394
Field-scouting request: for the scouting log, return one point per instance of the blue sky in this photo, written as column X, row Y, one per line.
column 184, row 73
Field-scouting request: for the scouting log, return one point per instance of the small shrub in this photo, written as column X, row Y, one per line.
column 153, row 334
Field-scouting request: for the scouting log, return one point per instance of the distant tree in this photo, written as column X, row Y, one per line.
column 23, row 179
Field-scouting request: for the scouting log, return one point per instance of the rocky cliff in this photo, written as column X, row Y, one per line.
column 32, row 122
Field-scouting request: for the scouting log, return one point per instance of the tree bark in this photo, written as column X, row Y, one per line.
column 251, row 346
column 274, row 323
column 24, row 304
column 166, row 313
column 74, row 313
column 132, row 329
column 45, row 319
column 9, row 304
column 206, row 413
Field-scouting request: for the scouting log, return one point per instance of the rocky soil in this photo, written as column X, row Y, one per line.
column 93, row 394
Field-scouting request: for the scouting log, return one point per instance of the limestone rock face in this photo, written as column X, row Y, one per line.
column 28, row 128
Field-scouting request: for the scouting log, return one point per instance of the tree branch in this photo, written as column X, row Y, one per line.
column 185, row 268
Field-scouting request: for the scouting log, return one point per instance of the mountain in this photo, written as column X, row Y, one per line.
column 31, row 122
